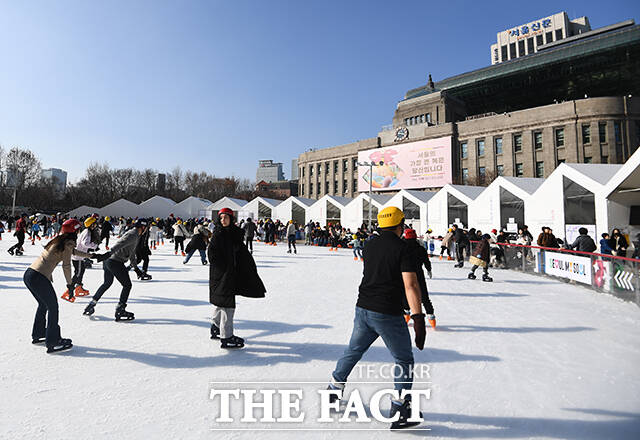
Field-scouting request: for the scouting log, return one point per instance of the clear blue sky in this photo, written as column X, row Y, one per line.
column 217, row 85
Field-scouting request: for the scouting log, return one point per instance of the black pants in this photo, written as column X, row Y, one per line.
column 460, row 253
column 485, row 269
column 18, row 245
column 115, row 269
column 106, row 240
column 250, row 243
column 78, row 272
column 145, row 264
column 42, row 290
column 179, row 241
column 291, row 241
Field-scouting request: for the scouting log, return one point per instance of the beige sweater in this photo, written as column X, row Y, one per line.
column 49, row 259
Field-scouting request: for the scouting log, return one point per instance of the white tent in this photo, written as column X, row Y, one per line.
column 357, row 212
column 505, row 199
column 261, row 207
column 622, row 195
column 157, row 206
column 293, row 208
column 120, row 208
column 450, row 205
column 328, row 209
column 413, row 204
column 566, row 200
column 236, row 205
column 191, row 207
column 82, row 211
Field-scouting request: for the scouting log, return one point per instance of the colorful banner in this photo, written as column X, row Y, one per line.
column 420, row 164
column 569, row 266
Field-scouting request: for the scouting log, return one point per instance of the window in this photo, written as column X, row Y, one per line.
column 500, row 170
column 602, row 132
column 326, row 168
column 311, row 189
column 519, row 170
column 498, row 145
column 319, row 169
column 503, row 53
column 311, row 170
column 482, row 174
column 429, row 118
column 517, row 142
column 480, row 144
column 539, row 169
column 345, row 165
column 464, row 152
column 302, row 171
column 302, row 188
column 326, row 187
column 559, row 134
column 561, row 161
column 587, row 160
column 530, row 45
column 549, row 37
column 345, row 188
column 465, row 175
column 422, row 119
column 617, row 132
column 521, row 48
column 355, row 185
column 355, row 163
column 586, row 134
column 512, row 51
column 406, row 121
column 537, row 140
column 558, row 34
column 539, row 40
column 335, row 167
column 335, row 187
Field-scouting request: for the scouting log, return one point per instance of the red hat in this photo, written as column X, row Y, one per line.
column 70, row 226
column 495, row 231
column 225, row 211
column 409, row 234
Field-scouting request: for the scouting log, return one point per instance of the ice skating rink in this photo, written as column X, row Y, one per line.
column 522, row 357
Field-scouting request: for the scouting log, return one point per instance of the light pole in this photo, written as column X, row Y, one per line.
column 370, row 165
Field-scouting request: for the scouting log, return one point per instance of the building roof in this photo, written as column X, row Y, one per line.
column 600, row 172
column 239, row 202
column 380, row 198
column 344, row 201
column 158, row 199
column 272, row 202
column 528, row 184
column 578, row 48
column 304, row 200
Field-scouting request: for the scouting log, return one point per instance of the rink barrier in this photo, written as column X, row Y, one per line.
column 615, row 275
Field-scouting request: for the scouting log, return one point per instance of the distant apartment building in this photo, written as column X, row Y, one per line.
column 294, row 169
column 269, row 171
column 58, row 178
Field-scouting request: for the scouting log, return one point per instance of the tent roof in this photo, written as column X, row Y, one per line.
column 120, row 203
column 304, row 200
column 344, row 201
column 380, row 198
column 158, row 199
column 272, row 202
column 239, row 202
column 600, row 172
column 470, row 191
column 423, row 196
column 528, row 184
column 192, row 199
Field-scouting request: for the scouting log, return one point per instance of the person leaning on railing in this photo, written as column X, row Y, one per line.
column 583, row 242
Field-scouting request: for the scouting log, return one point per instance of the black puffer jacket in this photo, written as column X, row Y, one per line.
column 584, row 243
column 232, row 270
column 482, row 250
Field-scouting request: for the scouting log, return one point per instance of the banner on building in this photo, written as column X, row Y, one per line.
column 571, row 266
column 420, row 164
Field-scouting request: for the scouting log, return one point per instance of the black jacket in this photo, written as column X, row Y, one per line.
column 249, row 230
column 232, row 270
column 584, row 243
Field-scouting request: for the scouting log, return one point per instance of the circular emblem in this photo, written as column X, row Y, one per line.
column 402, row 133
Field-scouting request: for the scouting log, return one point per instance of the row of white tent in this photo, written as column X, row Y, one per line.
column 597, row 196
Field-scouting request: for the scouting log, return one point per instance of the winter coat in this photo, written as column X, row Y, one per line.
column 604, row 247
column 481, row 251
column 199, row 239
column 584, row 243
column 84, row 243
column 179, row 230
column 619, row 244
column 447, row 239
column 249, row 230
column 547, row 240
column 232, row 270
column 291, row 229
column 460, row 237
column 125, row 248
column 105, row 229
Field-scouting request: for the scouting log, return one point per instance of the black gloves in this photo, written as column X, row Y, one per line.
column 419, row 328
column 102, row 257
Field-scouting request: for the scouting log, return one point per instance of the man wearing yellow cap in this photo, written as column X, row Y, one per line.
column 389, row 276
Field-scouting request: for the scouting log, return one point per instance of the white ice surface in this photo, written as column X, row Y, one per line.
column 522, row 357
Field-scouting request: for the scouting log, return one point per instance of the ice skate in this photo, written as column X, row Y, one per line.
column 10, row 251
column 19, row 253
column 441, row 257
column 80, row 291
column 90, row 309
column 432, row 321
column 215, row 331
column 355, row 258
column 143, row 276
column 487, row 278
column 336, row 391
column 62, row 344
column 471, row 276
column 404, row 409
column 289, row 251
column 36, row 341
column 68, row 296
column 232, row 342
column 122, row 314
column 183, row 254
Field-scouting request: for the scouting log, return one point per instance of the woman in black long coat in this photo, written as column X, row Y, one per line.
column 232, row 272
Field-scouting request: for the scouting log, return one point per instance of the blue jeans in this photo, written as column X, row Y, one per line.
column 45, row 323
column 203, row 256
column 393, row 329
